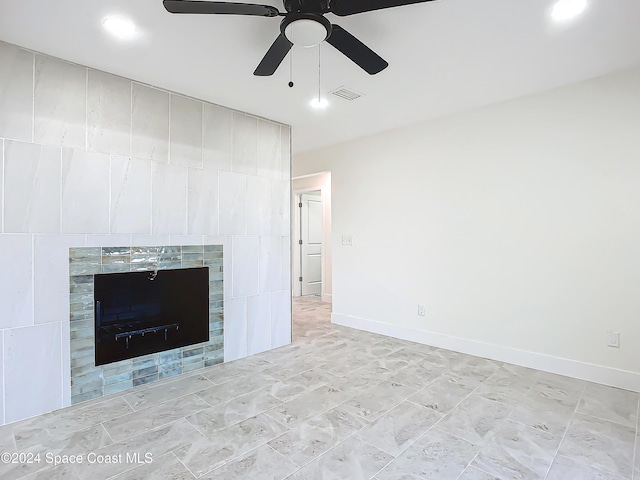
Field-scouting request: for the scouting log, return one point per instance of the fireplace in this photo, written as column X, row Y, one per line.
column 138, row 313
column 179, row 273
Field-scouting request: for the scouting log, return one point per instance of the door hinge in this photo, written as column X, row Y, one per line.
column 300, row 205
column 299, row 242
column 299, row 279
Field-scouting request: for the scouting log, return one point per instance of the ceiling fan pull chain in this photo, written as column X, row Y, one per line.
column 319, row 101
column 291, row 68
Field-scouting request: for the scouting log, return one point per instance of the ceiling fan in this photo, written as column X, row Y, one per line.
column 303, row 24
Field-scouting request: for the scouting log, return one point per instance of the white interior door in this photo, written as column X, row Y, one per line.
column 311, row 244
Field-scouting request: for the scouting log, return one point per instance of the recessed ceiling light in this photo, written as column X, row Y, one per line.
column 319, row 103
column 120, row 27
column 564, row 10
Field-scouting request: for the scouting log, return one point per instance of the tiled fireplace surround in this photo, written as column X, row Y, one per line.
column 89, row 159
column 90, row 381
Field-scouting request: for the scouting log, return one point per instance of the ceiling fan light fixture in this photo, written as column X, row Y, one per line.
column 306, row 30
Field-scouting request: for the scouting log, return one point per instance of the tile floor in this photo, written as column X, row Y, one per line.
column 340, row 404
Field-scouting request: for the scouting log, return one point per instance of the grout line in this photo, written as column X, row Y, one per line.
column 33, row 280
column 130, row 406
column 169, row 162
column 120, row 474
column 202, row 105
column 2, row 183
column 186, row 213
column 4, row 403
column 575, row 410
column 218, row 204
column 61, row 184
column 607, row 420
column 180, row 461
column 107, row 432
column 270, row 297
column 33, row 99
column 109, row 196
column 317, row 458
column 131, row 120
column 151, row 182
column 635, row 445
column 86, row 109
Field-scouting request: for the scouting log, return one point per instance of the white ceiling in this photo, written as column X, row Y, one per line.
column 444, row 56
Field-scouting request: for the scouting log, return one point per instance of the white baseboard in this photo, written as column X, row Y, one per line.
column 327, row 298
column 540, row 361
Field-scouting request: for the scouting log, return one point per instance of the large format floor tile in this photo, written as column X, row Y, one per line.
column 444, row 393
column 166, row 466
column 311, row 439
column 340, row 403
column 475, row 419
column 400, row 427
column 544, row 414
column 506, row 386
column 518, row 451
column 473, row 473
column 636, row 470
column 352, row 459
column 564, row 468
column 436, row 455
column 609, row 403
column 379, row 399
column 263, row 463
column 601, row 444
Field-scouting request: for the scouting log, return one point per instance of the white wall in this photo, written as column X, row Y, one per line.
column 90, row 159
column 307, row 183
column 518, row 225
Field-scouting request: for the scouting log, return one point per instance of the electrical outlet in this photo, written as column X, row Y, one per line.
column 347, row 240
column 421, row 310
column 613, row 339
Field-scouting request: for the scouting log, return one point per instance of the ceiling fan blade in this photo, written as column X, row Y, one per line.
column 228, row 8
column 342, row 8
column 357, row 51
column 274, row 56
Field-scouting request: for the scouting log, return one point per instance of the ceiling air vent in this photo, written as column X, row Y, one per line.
column 346, row 93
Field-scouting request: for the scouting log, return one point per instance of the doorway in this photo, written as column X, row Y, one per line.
column 311, row 260
column 310, row 243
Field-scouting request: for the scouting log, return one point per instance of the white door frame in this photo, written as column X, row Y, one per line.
column 311, row 249
column 312, row 183
column 297, row 250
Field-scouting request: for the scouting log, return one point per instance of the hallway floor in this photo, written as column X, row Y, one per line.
column 341, row 404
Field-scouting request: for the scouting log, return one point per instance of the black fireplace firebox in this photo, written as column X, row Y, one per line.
column 138, row 313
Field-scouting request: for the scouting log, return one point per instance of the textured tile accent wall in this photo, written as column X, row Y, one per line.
column 89, row 159
column 89, row 381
